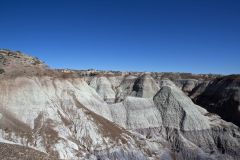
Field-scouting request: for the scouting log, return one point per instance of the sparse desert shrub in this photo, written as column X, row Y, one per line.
column 1, row 71
column 36, row 61
column 1, row 56
column 92, row 74
column 12, row 53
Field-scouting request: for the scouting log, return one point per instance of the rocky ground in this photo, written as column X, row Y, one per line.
column 76, row 114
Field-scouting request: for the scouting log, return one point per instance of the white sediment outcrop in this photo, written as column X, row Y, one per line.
column 104, row 88
column 145, row 86
column 62, row 116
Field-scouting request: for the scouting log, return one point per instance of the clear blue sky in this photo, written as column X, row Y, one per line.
column 199, row 36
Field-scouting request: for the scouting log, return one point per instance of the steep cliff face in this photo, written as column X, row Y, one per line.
column 222, row 96
column 64, row 114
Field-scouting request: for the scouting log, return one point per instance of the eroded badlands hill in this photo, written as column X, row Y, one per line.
column 65, row 114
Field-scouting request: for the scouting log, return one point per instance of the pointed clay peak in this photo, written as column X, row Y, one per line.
column 178, row 110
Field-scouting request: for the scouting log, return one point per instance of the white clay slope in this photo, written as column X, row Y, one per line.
column 178, row 111
column 59, row 117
